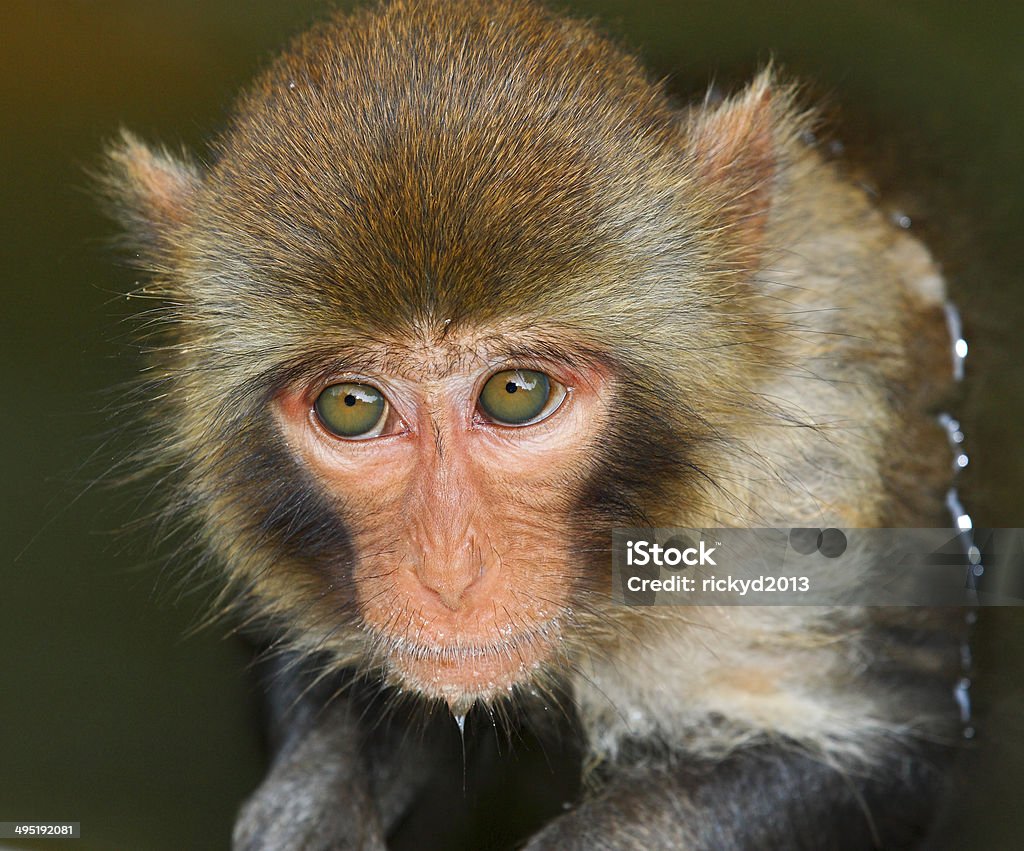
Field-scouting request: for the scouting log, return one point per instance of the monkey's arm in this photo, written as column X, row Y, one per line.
column 758, row 797
column 332, row 783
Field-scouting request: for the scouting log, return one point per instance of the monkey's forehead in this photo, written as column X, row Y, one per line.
column 441, row 151
column 507, row 73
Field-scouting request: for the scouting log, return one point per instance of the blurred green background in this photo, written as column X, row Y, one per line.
column 109, row 714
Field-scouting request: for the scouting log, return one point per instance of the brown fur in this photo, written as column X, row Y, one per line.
column 425, row 172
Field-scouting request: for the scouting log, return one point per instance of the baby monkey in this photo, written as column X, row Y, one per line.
column 459, row 290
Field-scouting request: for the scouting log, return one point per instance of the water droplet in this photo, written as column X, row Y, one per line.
column 964, row 522
column 961, row 460
column 291, row 85
column 901, row 220
column 963, row 699
column 461, row 721
column 955, row 326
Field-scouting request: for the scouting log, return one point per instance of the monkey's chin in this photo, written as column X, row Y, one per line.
column 462, row 675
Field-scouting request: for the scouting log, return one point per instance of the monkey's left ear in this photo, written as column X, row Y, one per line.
column 736, row 147
column 152, row 193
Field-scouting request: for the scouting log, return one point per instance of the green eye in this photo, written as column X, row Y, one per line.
column 518, row 397
column 352, row 410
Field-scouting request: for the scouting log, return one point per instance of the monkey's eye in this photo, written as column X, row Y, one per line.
column 354, row 411
column 518, row 397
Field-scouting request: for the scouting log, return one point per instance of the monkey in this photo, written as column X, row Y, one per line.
column 458, row 290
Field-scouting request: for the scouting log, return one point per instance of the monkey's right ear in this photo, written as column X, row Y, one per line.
column 151, row 191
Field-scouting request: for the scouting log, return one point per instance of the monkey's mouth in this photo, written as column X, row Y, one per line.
column 463, row 672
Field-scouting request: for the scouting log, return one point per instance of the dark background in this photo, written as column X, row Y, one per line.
column 109, row 714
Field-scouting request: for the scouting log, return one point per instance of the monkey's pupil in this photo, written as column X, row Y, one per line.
column 350, row 400
column 511, row 387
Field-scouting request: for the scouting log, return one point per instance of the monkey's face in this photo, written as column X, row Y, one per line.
column 454, row 469
column 447, row 305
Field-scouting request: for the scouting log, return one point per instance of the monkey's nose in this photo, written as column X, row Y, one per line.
column 452, row 576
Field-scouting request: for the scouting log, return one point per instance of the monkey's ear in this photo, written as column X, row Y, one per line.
column 735, row 146
column 151, row 192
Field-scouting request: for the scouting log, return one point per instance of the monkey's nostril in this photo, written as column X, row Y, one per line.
column 451, row 599
column 450, row 580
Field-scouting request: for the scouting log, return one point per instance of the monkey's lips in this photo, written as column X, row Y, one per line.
column 463, row 672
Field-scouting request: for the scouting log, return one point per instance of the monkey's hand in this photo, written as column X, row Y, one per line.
column 760, row 797
column 316, row 798
column 637, row 810
column 332, row 786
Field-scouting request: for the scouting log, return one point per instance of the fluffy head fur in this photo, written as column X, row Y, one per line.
column 425, row 170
